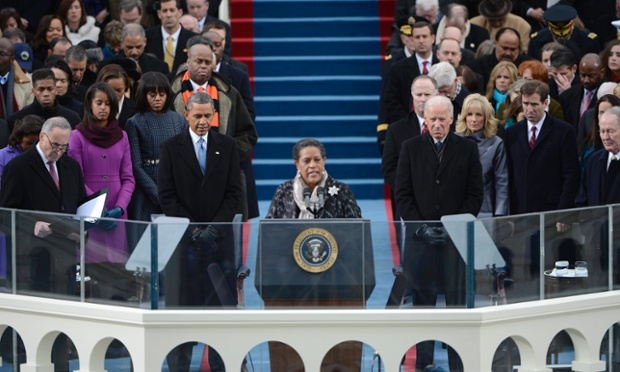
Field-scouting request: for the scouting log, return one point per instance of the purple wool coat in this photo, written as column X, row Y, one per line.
column 106, row 167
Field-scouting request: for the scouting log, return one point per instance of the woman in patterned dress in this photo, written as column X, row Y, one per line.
column 312, row 193
column 147, row 130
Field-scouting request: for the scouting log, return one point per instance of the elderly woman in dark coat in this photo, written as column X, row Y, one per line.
column 312, row 193
column 478, row 123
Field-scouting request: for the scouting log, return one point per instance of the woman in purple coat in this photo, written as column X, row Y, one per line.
column 24, row 135
column 102, row 149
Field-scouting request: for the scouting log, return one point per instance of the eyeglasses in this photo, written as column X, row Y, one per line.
column 57, row 147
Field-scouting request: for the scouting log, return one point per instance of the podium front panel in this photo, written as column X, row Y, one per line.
column 326, row 260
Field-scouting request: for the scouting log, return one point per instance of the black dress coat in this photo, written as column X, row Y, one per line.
column 213, row 197
column 397, row 133
column 427, row 189
column 553, row 87
column 240, row 80
column 148, row 63
column 570, row 100
column 35, row 108
column 396, row 96
column 128, row 110
column 485, row 64
column 44, row 264
column 155, row 46
column 546, row 177
column 592, row 191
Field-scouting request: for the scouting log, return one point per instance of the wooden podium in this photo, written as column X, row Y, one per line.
column 315, row 264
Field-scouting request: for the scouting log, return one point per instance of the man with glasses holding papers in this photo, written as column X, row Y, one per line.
column 42, row 179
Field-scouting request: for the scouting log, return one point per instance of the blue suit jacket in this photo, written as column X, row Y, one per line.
column 546, row 177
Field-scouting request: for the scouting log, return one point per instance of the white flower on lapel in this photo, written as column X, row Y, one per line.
column 333, row 190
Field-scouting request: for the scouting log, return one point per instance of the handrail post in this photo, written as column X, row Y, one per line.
column 154, row 268
column 470, row 267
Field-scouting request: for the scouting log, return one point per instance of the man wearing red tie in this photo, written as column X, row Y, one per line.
column 543, row 160
column 42, row 179
column 395, row 98
column 543, row 166
column 412, row 125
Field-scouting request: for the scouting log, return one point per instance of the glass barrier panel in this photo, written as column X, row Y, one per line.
column 612, row 257
column 117, row 263
column 515, row 276
column 314, row 263
column 199, row 264
column 6, row 253
column 574, row 260
column 44, row 250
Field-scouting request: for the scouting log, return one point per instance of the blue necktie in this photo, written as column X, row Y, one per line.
column 437, row 145
column 202, row 155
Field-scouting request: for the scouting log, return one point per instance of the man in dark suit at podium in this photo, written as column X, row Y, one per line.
column 438, row 174
column 199, row 178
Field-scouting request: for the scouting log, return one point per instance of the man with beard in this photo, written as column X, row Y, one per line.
column 507, row 48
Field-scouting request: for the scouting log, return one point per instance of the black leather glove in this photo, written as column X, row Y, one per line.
column 434, row 236
column 206, row 237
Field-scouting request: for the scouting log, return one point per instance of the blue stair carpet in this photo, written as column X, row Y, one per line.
column 316, row 74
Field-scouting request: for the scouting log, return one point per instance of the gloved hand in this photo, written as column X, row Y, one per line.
column 115, row 212
column 110, row 225
column 206, row 237
column 434, row 236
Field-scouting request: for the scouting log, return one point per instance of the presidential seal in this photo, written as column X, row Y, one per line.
column 315, row 250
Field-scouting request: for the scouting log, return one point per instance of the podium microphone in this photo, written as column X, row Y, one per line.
column 320, row 191
column 307, row 194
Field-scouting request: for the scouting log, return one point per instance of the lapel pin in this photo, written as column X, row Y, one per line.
column 217, row 153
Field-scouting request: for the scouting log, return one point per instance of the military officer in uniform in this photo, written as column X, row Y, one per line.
column 561, row 26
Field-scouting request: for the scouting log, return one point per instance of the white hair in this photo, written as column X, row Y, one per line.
column 605, row 88
column 426, row 5
column 439, row 101
column 443, row 73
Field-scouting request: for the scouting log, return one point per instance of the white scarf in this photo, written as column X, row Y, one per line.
column 298, row 195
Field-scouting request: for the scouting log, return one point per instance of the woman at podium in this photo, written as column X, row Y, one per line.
column 312, row 193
